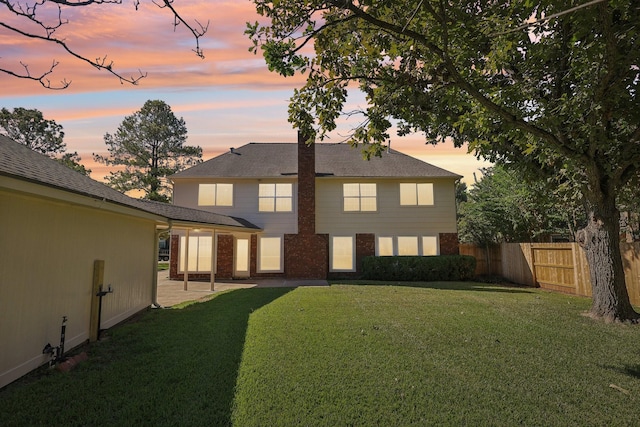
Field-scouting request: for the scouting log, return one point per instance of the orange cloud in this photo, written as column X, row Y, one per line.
column 144, row 40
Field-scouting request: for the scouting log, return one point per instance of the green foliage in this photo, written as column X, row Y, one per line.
column 557, row 97
column 461, row 192
column 505, row 206
column 30, row 128
column 148, row 146
column 72, row 161
column 416, row 268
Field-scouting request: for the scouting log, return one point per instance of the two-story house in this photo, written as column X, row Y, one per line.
column 321, row 208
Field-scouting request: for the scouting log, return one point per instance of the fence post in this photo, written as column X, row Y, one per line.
column 533, row 265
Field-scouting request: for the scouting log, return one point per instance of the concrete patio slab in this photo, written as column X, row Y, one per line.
column 171, row 292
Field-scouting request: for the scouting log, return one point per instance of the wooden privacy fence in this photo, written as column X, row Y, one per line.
column 488, row 259
column 560, row 267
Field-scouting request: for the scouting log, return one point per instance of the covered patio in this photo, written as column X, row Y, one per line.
column 172, row 292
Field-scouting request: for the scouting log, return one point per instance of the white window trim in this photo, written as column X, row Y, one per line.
column 275, row 197
column 418, row 240
column 182, row 252
column 215, row 202
column 246, row 254
column 420, row 243
column 394, row 248
column 353, row 254
column 359, row 211
column 417, row 204
column 259, row 257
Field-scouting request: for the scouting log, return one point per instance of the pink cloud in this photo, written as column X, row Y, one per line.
column 145, row 40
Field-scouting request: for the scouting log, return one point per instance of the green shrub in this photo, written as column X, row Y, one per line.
column 419, row 268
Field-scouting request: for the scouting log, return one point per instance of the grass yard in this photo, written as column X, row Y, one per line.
column 359, row 355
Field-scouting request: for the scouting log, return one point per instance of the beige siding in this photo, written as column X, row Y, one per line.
column 245, row 204
column 48, row 251
column 390, row 218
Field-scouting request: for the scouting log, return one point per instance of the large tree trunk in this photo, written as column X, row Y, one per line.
column 601, row 241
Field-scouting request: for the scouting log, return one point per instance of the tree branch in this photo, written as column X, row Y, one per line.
column 548, row 18
column 460, row 81
column 42, row 78
column 30, row 11
column 99, row 63
column 177, row 20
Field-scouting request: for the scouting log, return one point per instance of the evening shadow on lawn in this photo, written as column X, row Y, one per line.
column 226, row 320
column 168, row 367
column 630, row 370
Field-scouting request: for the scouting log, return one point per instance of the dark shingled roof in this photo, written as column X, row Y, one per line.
column 257, row 160
column 181, row 213
column 18, row 161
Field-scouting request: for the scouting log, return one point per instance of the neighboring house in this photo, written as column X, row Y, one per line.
column 62, row 235
column 321, row 208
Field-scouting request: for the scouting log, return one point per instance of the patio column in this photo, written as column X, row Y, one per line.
column 214, row 257
column 186, row 261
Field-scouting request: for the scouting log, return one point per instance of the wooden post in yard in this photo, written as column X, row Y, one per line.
column 98, row 281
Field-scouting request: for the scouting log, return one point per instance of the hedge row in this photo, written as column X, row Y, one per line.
column 419, row 269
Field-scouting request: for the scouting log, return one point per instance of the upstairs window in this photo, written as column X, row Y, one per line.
column 215, row 195
column 275, row 197
column 359, row 197
column 416, row 194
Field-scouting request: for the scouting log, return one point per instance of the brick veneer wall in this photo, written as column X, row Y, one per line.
column 306, row 256
column 449, row 244
column 365, row 246
column 225, row 256
column 173, row 257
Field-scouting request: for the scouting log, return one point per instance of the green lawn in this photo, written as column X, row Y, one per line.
column 436, row 354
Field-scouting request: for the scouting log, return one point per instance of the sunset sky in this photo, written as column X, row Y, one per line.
column 227, row 99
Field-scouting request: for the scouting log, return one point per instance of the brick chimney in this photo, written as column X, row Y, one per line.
column 306, row 254
column 306, row 186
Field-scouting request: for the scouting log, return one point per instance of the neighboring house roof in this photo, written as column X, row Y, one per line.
column 256, row 160
column 20, row 162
